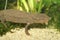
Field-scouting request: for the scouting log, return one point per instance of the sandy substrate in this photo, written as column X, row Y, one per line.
column 36, row 34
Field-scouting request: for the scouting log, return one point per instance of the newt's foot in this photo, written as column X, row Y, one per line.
column 27, row 33
column 26, row 29
column 4, row 24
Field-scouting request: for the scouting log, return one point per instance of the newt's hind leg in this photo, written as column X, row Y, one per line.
column 2, row 20
column 4, row 24
column 26, row 29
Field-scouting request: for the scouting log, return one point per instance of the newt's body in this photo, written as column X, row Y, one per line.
column 23, row 17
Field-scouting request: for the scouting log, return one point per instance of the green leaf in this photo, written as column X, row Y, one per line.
column 32, row 4
column 18, row 6
column 25, row 5
column 40, row 5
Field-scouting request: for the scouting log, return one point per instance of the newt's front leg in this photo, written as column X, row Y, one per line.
column 26, row 29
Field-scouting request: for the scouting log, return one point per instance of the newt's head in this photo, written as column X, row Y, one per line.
column 43, row 19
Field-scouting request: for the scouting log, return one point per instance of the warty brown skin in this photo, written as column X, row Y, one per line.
column 17, row 16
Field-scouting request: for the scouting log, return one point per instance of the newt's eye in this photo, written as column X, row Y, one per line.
column 50, row 18
column 46, row 23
